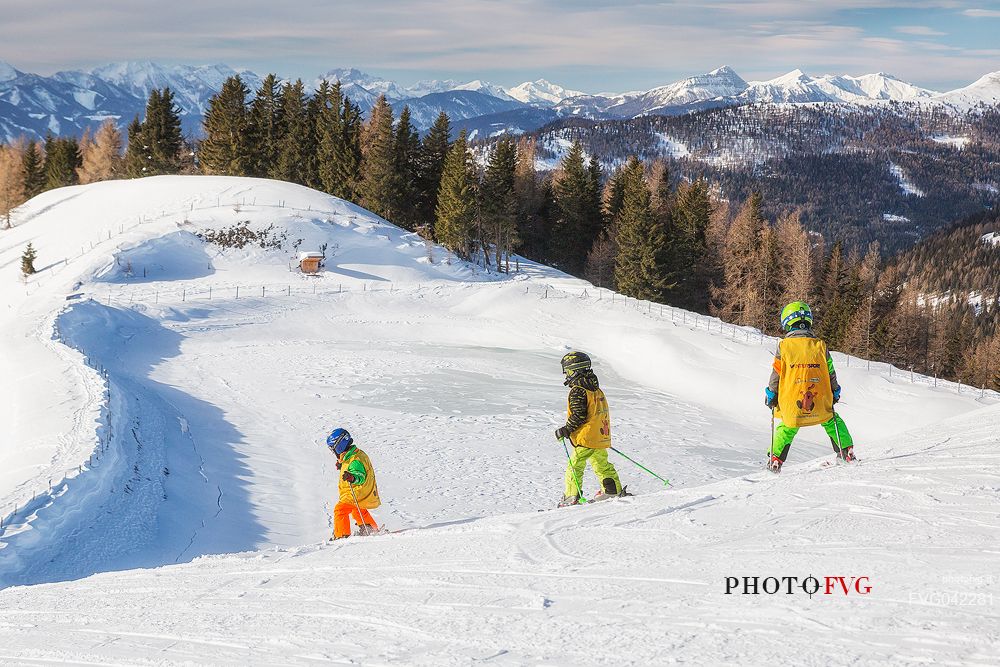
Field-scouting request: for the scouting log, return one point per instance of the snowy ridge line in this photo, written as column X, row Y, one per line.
column 677, row 316
column 27, row 508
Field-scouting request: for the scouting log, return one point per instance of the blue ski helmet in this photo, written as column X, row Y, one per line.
column 339, row 441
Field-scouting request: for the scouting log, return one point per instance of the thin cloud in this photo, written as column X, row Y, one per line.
column 918, row 30
column 983, row 13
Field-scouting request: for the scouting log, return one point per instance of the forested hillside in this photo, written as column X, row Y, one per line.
column 893, row 173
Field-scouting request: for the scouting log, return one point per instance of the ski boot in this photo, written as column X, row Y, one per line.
column 568, row 501
column 774, row 465
column 364, row 530
column 610, row 490
column 846, row 455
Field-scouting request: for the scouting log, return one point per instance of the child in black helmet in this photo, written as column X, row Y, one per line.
column 588, row 428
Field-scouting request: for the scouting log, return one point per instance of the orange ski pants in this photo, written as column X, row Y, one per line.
column 342, row 514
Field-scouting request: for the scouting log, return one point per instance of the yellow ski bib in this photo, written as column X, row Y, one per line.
column 596, row 431
column 805, row 397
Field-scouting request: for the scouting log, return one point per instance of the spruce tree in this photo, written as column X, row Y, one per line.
column 499, row 200
column 294, row 143
column 329, row 137
column 161, row 132
column 348, row 163
column 28, row 260
column 61, row 162
column 379, row 187
column 433, row 152
column 225, row 148
column 33, row 170
column 265, row 128
column 406, row 149
column 579, row 215
column 456, row 201
column 688, row 219
column 135, row 151
column 641, row 269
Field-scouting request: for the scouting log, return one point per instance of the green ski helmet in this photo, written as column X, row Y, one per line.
column 795, row 313
column 574, row 362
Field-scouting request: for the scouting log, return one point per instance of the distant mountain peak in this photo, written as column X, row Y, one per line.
column 7, row 72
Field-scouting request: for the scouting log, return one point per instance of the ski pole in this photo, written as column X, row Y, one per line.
column 361, row 517
column 617, row 451
column 576, row 480
column 770, row 450
column 836, row 429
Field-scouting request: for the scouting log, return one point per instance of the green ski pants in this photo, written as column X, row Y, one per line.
column 840, row 437
column 578, row 457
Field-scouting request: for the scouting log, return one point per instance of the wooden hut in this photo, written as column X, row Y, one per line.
column 310, row 262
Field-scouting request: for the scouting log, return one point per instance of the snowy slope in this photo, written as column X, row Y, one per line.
column 448, row 376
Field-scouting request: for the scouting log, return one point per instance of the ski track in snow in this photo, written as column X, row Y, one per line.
column 219, row 411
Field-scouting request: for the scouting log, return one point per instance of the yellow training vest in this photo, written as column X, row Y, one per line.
column 367, row 493
column 596, row 431
column 805, row 397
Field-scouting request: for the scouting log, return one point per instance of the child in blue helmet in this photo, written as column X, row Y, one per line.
column 358, row 492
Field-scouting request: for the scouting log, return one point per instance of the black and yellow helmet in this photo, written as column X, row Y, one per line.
column 574, row 362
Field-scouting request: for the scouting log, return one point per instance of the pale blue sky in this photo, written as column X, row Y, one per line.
column 583, row 44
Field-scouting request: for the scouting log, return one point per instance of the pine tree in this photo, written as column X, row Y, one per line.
column 102, row 155
column 12, row 192
column 641, row 268
column 61, row 162
column 456, row 201
column 225, row 148
column 33, row 170
column 265, row 128
column 294, row 145
column 379, row 187
column 578, row 203
column 406, row 149
column 499, row 200
column 433, row 152
column 28, row 260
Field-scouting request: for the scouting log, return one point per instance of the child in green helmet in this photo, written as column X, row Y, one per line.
column 803, row 388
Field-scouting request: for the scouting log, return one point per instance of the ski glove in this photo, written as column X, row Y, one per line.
column 349, row 477
column 836, row 396
column 562, row 432
column 770, row 398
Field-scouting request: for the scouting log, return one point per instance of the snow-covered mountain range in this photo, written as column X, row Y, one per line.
column 67, row 102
